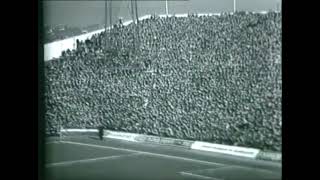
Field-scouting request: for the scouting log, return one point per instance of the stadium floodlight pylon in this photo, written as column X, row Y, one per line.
column 137, row 25
column 278, row 6
column 108, row 24
column 105, row 29
column 135, row 21
column 167, row 10
column 234, row 6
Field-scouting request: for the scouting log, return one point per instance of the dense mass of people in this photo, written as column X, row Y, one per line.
column 209, row 78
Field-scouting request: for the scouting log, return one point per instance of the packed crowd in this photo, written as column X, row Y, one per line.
column 209, row 78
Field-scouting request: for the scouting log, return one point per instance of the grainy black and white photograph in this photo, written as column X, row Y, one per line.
column 162, row 89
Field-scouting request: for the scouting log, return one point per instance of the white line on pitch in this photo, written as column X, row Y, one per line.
column 203, row 170
column 198, row 176
column 64, row 163
column 148, row 153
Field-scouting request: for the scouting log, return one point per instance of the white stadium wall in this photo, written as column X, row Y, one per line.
column 54, row 49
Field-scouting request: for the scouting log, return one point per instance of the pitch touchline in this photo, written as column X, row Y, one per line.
column 149, row 153
column 64, row 163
